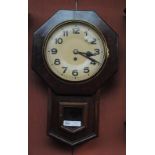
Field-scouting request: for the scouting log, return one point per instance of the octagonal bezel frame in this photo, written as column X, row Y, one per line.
column 63, row 87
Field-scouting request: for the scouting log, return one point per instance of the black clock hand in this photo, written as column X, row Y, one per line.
column 89, row 58
column 85, row 55
column 89, row 54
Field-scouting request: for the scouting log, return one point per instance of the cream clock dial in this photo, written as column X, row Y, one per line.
column 75, row 51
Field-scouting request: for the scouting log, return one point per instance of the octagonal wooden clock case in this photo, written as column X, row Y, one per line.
column 74, row 52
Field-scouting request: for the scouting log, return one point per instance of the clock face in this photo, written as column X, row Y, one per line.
column 75, row 51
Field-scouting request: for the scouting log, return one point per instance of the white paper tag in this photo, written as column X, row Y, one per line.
column 72, row 123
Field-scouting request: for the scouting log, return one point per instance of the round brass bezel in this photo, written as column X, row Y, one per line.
column 52, row 30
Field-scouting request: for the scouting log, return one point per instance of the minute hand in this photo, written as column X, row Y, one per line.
column 85, row 55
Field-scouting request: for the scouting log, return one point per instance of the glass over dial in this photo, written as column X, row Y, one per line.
column 75, row 51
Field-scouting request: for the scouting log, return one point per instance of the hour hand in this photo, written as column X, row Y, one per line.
column 89, row 54
column 75, row 51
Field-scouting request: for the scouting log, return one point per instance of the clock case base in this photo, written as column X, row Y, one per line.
column 73, row 109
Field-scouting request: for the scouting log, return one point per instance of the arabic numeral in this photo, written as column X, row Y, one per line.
column 76, row 30
column 65, row 33
column 93, row 63
column 94, row 41
column 86, row 70
column 65, row 69
column 57, row 62
column 58, row 40
column 75, row 72
column 97, row 51
column 54, row 51
column 86, row 33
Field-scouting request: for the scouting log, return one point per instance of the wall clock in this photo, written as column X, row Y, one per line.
column 75, row 52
